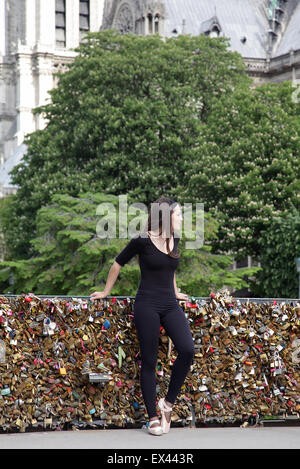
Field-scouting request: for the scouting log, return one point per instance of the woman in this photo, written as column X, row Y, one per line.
column 156, row 304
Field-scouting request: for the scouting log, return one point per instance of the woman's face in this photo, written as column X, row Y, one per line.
column 177, row 218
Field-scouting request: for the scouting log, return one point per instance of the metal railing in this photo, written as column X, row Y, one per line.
column 190, row 298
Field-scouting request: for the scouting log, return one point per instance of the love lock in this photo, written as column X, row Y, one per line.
column 62, row 369
column 99, row 377
column 296, row 356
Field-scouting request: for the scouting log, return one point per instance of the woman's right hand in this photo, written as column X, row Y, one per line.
column 97, row 295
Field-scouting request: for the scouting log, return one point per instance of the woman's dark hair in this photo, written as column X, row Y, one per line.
column 155, row 219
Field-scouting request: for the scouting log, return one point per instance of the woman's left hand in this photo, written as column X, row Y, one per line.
column 182, row 296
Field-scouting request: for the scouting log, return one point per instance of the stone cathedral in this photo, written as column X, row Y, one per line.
column 265, row 32
column 38, row 37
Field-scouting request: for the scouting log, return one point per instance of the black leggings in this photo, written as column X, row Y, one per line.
column 151, row 311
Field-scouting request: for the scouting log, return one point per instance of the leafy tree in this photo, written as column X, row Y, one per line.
column 143, row 116
column 125, row 118
column 248, row 164
column 70, row 259
column 280, row 245
column 68, row 256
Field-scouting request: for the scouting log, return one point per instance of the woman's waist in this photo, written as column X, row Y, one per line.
column 155, row 291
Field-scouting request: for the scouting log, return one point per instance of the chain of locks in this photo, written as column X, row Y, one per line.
column 246, row 363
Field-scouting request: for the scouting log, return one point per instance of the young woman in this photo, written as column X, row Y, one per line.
column 156, row 304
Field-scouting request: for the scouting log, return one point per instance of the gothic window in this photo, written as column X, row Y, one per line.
column 60, row 23
column 150, row 24
column 156, row 24
column 140, row 26
column 214, row 32
column 84, row 18
column 125, row 20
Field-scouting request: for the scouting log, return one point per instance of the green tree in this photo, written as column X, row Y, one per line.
column 68, row 256
column 70, row 259
column 125, row 118
column 280, row 245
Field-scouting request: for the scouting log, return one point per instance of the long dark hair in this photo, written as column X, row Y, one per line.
column 156, row 222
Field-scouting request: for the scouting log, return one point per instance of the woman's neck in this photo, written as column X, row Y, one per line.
column 155, row 234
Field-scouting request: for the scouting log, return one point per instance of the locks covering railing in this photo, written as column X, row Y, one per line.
column 71, row 361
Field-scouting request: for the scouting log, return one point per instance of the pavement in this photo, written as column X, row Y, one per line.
column 177, row 438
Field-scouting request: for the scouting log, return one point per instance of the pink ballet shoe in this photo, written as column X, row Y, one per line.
column 164, row 408
column 155, row 430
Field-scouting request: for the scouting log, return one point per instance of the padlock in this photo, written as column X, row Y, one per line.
column 62, row 369
column 47, row 422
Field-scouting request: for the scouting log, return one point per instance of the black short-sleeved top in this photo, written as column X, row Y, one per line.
column 157, row 268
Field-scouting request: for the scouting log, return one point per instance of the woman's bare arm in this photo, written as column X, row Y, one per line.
column 179, row 296
column 111, row 279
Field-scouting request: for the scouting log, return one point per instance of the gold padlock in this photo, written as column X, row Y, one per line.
column 62, row 370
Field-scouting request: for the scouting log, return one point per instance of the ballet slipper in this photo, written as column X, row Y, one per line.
column 164, row 408
column 155, row 430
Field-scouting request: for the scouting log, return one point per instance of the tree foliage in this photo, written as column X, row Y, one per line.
column 141, row 116
column 124, row 118
column 280, row 245
column 71, row 259
column 248, row 165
